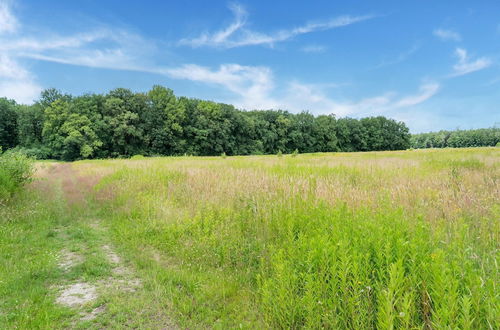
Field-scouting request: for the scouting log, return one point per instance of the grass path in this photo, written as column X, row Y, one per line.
column 361, row 240
column 59, row 266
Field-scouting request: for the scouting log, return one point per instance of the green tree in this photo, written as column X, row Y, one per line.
column 69, row 134
column 121, row 118
column 8, row 124
column 163, row 122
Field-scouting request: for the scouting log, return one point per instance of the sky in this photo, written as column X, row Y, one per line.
column 432, row 64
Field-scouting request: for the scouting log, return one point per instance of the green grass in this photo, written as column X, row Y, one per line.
column 363, row 240
column 387, row 240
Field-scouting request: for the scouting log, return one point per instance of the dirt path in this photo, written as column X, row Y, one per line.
column 93, row 272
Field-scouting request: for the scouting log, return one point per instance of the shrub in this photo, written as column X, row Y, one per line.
column 279, row 154
column 223, row 155
column 37, row 152
column 137, row 157
column 16, row 169
column 295, row 153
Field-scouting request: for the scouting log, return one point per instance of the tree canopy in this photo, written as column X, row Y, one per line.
column 122, row 123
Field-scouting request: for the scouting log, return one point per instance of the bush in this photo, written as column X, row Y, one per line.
column 137, row 157
column 36, row 152
column 16, row 170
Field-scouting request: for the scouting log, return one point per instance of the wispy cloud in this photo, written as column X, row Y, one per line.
column 8, row 23
column 309, row 97
column 15, row 81
column 251, row 85
column 256, row 88
column 466, row 65
column 313, row 49
column 426, row 91
column 100, row 48
column 236, row 35
column 447, row 35
column 400, row 57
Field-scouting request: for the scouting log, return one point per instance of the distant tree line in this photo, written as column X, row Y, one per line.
column 484, row 137
column 122, row 123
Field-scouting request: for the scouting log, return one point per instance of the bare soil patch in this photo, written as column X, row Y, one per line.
column 77, row 294
column 69, row 259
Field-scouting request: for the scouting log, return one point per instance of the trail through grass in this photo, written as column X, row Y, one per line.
column 59, row 268
column 360, row 241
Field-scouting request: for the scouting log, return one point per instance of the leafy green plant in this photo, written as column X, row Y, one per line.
column 16, row 169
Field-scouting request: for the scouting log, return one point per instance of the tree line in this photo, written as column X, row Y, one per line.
column 122, row 123
column 484, row 137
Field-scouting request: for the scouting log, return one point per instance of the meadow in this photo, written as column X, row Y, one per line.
column 399, row 239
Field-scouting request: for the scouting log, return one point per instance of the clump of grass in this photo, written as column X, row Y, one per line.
column 137, row 157
column 295, row 153
column 16, row 169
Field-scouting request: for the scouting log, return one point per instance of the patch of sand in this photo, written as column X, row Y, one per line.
column 77, row 294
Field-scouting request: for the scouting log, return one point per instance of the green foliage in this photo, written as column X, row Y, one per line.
column 485, row 137
column 295, row 153
column 16, row 170
column 35, row 151
column 259, row 240
column 8, row 124
column 137, row 157
column 279, row 154
column 122, row 123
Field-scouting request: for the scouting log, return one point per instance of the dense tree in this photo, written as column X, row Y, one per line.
column 30, row 125
column 163, row 122
column 384, row 134
column 483, row 137
column 121, row 115
column 122, row 123
column 69, row 133
column 8, row 124
column 325, row 132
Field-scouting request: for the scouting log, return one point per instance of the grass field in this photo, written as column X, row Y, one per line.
column 382, row 240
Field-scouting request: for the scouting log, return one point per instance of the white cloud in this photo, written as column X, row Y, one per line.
column 16, row 82
column 313, row 49
column 426, row 92
column 122, row 51
column 236, row 35
column 309, row 97
column 447, row 35
column 8, row 23
column 255, row 88
column 251, row 85
column 465, row 65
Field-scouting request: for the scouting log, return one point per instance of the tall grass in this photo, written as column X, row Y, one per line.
column 373, row 240
column 16, row 170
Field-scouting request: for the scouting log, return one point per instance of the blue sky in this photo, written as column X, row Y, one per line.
column 432, row 64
